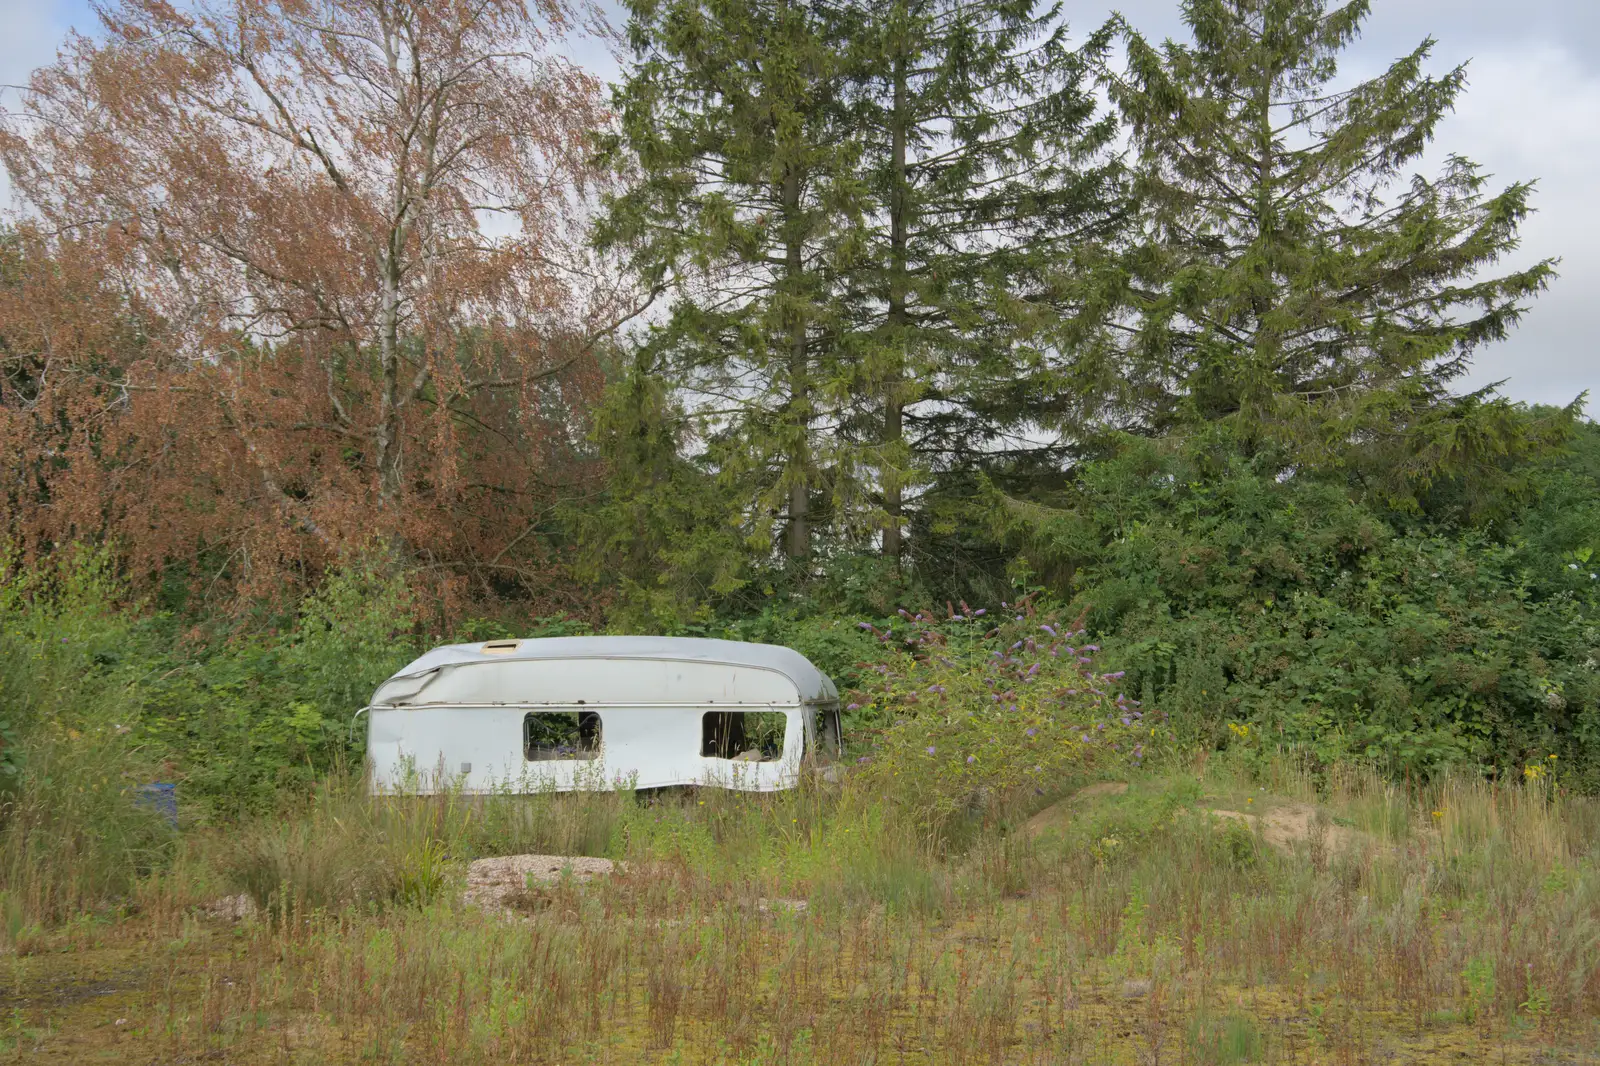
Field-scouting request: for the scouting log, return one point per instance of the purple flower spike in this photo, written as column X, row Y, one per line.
column 1072, row 692
column 1091, row 647
column 1034, row 669
column 971, row 759
column 1085, row 659
column 1084, row 738
column 980, row 612
column 853, row 707
column 1126, row 720
column 931, row 749
column 1032, row 732
column 1019, row 618
column 1047, row 629
column 863, row 625
column 864, row 759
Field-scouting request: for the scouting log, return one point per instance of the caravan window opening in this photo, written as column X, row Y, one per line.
column 744, row 736
column 830, row 734
column 560, row 735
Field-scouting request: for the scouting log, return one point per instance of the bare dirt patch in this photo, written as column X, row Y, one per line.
column 782, row 906
column 1292, row 825
column 503, row 882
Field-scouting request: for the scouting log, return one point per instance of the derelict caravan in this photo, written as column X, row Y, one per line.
column 567, row 713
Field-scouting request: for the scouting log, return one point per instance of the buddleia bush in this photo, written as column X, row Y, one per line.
column 973, row 715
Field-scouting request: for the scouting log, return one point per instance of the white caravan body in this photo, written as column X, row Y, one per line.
column 569, row 713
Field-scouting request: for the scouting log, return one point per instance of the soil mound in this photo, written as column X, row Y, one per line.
column 1060, row 813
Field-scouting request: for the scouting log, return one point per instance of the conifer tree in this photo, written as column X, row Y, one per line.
column 1294, row 283
column 664, row 534
column 742, row 212
column 989, row 176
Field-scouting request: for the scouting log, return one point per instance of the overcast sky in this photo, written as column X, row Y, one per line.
column 1532, row 111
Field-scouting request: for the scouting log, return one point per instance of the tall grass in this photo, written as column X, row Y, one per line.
column 1189, row 940
column 72, row 836
column 342, row 846
column 1132, row 928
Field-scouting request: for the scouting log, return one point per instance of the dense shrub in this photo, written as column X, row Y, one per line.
column 974, row 712
column 71, row 834
column 248, row 715
column 1237, row 593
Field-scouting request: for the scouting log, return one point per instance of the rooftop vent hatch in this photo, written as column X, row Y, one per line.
column 500, row 647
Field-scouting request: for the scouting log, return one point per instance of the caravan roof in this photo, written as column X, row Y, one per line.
column 407, row 686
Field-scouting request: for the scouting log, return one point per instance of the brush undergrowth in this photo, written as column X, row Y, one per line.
column 965, row 899
column 1117, row 927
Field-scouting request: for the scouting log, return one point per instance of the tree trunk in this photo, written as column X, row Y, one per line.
column 893, row 414
column 1264, row 374
column 799, row 532
column 387, row 430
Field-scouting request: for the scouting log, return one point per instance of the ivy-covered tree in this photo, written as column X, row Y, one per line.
column 743, row 212
column 1294, row 282
column 989, row 175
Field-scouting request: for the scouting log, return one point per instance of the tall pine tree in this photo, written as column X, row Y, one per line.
column 744, row 212
column 989, row 174
column 1295, row 284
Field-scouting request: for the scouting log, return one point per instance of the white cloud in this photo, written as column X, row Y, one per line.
column 1533, row 112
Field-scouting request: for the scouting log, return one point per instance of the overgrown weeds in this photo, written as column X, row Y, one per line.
column 1193, row 938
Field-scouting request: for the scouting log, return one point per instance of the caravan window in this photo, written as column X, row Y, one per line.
column 830, row 737
column 550, row 735
column 746, row 736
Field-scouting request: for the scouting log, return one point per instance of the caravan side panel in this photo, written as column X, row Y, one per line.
column 478, row 749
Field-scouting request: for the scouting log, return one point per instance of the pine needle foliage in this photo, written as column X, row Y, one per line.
column 743, row 211
column 990, row 181
column 1294, row 280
